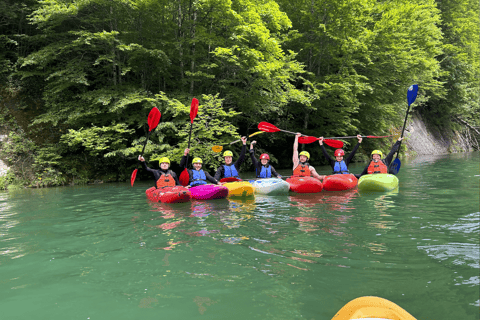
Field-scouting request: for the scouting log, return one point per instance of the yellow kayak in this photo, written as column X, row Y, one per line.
column 377, row 182
column 240, row 189
column 372, row 308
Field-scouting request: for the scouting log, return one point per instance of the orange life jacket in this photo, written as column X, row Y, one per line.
column 377, row 167
column 302, row 170
column 165, row 180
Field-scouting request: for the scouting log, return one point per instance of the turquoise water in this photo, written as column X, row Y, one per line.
column 105, row 252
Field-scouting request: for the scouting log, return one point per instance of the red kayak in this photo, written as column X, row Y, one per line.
column 169, row 194
column 339, row 182
column 304, row 184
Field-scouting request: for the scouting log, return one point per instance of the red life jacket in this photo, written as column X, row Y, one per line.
column 377, row 167
column 302, row 170
column 166, row 180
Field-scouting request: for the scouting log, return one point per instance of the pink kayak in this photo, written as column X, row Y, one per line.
column 339, row 182
column 209, row 192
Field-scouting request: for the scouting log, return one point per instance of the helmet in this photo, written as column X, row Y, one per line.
column 377, row 152
column 197, row 160
column 306, row 154
column 264, row 156
column 228, row 153
column 339, row 153
column 164, row 159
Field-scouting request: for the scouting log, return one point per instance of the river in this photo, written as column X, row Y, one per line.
column 106, row 252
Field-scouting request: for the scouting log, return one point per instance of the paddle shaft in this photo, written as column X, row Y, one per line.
column 356, row 136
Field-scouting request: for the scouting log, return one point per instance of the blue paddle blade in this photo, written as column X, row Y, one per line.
column 412, row 93
column 395, row 167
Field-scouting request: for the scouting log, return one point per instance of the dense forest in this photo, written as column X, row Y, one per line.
column 79, row 77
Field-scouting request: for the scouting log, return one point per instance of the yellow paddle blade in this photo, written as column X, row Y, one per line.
column 217, row 148
column 255, row 133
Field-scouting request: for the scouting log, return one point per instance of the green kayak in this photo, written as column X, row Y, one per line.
column 377, row 182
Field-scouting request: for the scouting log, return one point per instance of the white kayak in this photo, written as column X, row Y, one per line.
column 270, row 186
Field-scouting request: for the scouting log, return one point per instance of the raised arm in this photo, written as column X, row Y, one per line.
column 295, row 151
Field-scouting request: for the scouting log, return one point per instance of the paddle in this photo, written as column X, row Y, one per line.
column 220, row 148
column 411, row 96
column 309, row 139
column 184, row 176
column 153, row 119
column 230, row 179
column 268, row 127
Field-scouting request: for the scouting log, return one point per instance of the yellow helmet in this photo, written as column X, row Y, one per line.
column 377, row 152
column 306, row 154
column 197, row 160
column 228, row 153
column 164, row 159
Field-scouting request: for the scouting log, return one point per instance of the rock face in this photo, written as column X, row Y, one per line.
column 3, row 166
column 423, row 141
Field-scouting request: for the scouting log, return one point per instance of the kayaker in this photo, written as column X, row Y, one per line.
column 379, row 165
column 196, row 175
column 229, row 169
column 339, row 165
column 301, row 168
column 262, row 168
column 164, row 177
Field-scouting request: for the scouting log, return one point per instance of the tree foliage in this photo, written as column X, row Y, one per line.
column 94, row 68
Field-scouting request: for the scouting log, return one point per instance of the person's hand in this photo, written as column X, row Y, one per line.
column 298, row 135
column 187, row 151
column 252, row 143
column 244, row 140
column 140, row 158
column 400, row 139
column 320, row 141
column 359, row 137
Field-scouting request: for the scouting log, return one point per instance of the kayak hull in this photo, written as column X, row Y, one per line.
column 175, row 194
column 239, row 189
column 304, row 184
column 372, row 308
column 270, row 186
column 209, row 192
column 339, row 182
column 377, row 182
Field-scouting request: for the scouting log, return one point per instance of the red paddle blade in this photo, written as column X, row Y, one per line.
column 153, row 118
column 267, row 127
column 193, row 109
column 333, row 143
column 184, row 177
column 231, row 179
column 134, row 175
column 307, row 139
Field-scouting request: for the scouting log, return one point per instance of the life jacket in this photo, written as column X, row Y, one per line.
column 230, row 171
column 198, row 178
column 340, row 168
column 302, row 170
column 265, row 173
column 377, row 167
column 166, row 180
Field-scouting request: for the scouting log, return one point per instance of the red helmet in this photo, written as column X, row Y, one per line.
column 264, row 156
column 339, row 153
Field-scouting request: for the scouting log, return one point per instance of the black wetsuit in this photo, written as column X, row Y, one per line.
column 157, row 173
column 190, row 172
column 346, row 160
column 258, row 165
column 221, row 170
column 387, row 160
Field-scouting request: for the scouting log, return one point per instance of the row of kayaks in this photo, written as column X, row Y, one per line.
column 273, row 186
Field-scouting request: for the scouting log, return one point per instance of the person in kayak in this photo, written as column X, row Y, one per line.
column 262, row 168
column 301, row 168
column 164, row 177
column 196, row 175
column 339, row 165
column 229, row 169
column 377, row 164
